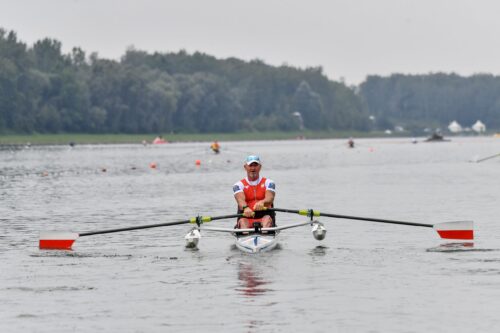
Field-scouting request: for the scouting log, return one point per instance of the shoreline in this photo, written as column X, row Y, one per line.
column 79, row 139
column 65, row 139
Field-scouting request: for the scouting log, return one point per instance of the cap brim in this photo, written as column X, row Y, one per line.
column 250, row 162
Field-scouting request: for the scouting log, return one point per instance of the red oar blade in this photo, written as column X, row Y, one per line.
column 57, row 240
column 455, row 230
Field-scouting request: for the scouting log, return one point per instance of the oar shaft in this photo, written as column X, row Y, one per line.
column 294, row 211
column 316, row 213
column 108, row 231
column 377, row 220
column 191, row 220
column 487, row 158
column 230, row 216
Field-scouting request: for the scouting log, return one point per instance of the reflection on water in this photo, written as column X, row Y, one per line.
column 254, row 325
column 452, row 247
column 318, row 251
column 251, row 283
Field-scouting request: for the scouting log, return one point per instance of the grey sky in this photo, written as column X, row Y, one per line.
column 348, row 38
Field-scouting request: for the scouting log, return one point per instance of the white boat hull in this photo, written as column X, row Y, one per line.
column 256, row 243
column 247, row 240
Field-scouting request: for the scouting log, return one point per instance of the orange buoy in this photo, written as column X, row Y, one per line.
column 152, row 165
column 197, row 162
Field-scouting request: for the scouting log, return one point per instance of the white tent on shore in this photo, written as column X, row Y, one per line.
column 479, row 127
column 455, row 127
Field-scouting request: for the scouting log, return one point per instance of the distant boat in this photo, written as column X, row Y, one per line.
column 436, row 137
column 496, row 135
column 159, row 140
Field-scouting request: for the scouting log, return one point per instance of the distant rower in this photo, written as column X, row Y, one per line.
column 215, row 147
column 350, row 143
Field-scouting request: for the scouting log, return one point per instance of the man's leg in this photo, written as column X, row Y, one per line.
column 267, row 222
column 243, row 224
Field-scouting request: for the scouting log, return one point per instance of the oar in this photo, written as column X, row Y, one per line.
column 62, row 240
column 447, row 230
column 487, row 158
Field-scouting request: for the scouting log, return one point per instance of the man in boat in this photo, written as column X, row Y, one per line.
column 215, row 147
column 350, row 143
column 254, row 194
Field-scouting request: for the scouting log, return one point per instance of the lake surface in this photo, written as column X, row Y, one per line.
column 363, row 277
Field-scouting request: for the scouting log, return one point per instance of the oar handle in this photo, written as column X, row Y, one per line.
column 213, row 218
column 198, row 219
column 305, row 212
column 311, row 212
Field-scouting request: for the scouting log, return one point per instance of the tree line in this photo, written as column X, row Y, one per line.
column 43, row 90
column 434, row 100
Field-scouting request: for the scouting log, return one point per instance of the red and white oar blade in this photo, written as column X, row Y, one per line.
column 455, row 230
column 57, row 240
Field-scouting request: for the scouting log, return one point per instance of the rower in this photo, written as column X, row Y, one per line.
column 253, row 195
column 215, row 147
column 350, row 143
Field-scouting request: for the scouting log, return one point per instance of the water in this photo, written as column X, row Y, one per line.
column 364, row 277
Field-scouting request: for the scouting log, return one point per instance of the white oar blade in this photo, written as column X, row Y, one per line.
column 57, row 240
column 455, row 230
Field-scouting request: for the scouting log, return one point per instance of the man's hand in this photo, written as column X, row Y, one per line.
column 248, row 212
column 259, row 205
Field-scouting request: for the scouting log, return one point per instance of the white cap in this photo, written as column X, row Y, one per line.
column 252, row 159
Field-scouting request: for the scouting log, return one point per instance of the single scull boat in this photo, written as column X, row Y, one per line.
column 257, row 239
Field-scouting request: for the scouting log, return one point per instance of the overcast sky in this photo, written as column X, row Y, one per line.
column 350, row 39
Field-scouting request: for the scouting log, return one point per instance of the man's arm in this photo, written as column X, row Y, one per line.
column 240, row 200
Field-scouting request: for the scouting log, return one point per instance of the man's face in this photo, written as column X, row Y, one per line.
column 253, row 170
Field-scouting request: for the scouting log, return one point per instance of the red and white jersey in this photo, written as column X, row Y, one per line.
column 268, row 184
column 254, row 190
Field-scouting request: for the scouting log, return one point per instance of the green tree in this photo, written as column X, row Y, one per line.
column 308, row 104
